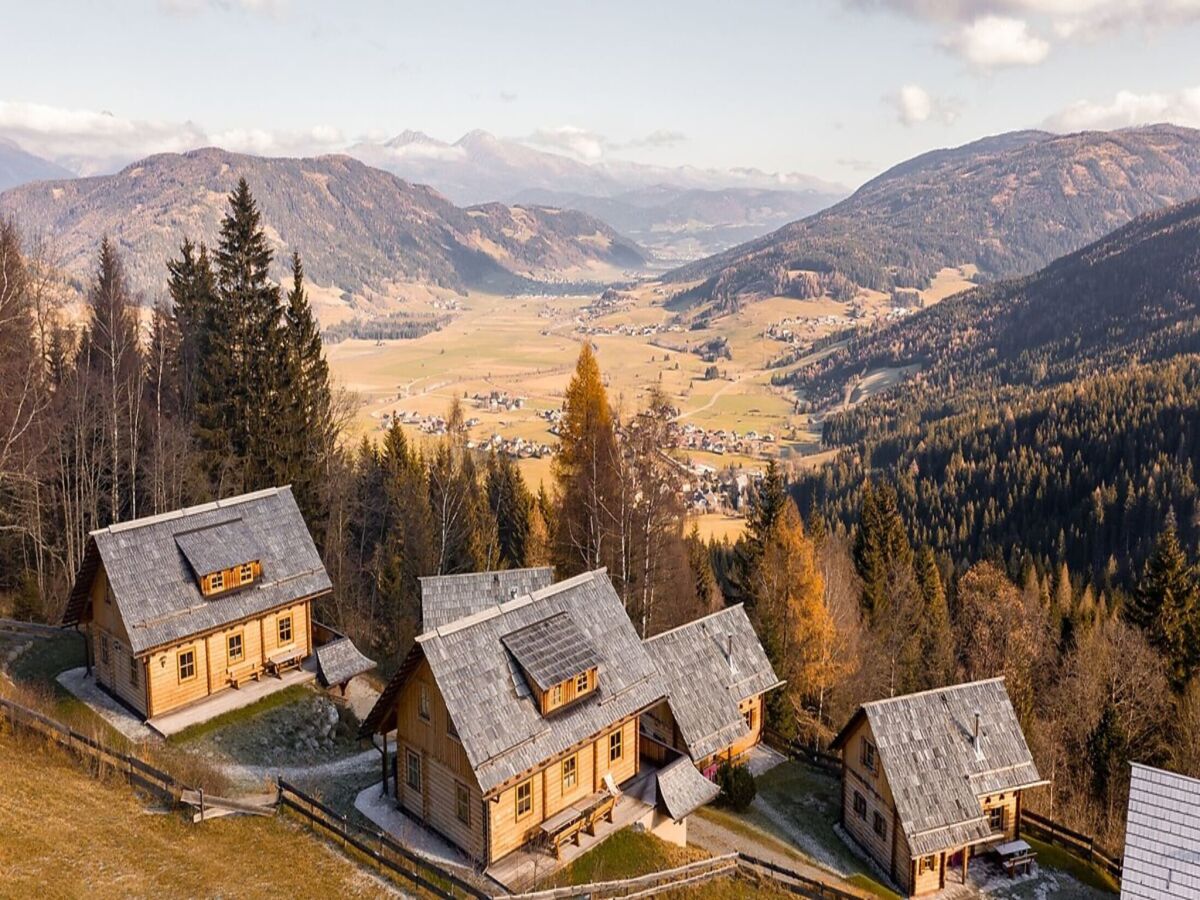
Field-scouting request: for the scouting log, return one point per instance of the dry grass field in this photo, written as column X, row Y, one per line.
column 67, row 834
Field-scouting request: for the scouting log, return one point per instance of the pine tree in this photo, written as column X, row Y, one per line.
column 305, row 428
column 193, row 291
column 882, row 553
column 1167, row 606
column 936, row 663
column 586, row 472
column 512, row 507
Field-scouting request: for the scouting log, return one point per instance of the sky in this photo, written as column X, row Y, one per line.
column 839, row 89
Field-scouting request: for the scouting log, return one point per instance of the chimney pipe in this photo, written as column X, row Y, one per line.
column 975, row 736
column 729, row 647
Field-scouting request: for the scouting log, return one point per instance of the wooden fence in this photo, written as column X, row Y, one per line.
column 793, row 881
column 830, row 763
column 377, row 846
column 135, row 771
column 640, row 885
column 1082, row 845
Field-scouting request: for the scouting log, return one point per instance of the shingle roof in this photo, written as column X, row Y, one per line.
column 502, row 730
column 1162, row 837
column 682, row 789
column 155, row 589
column 551, row 650
column 445, row 598
column 339, row 661
column 935, row 770
column 704, row 684
column 219, row 546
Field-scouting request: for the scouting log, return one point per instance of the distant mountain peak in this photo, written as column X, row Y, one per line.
column 408, row 136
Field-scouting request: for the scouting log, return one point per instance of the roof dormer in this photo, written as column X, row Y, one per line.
column 223, row 556
column 557, row 659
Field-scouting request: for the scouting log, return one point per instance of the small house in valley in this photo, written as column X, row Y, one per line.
column 716, row 674
column 930, row 779
column 185, row 605
column 517, row 725
column 1162, row 837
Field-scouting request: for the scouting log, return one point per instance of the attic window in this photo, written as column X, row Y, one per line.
column 222, row 555
column 558, row 660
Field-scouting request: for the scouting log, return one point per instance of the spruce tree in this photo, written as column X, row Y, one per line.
column 511, row 506
column 193, row 291
column 1167, row 606
column 936, row 666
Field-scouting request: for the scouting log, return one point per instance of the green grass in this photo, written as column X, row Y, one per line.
column 237, row 716
column 47, row 657
column 1052, row 857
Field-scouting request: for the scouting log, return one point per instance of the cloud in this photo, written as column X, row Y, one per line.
column 994, row 42
column 591, row 146
column 507, row 96
column 90, row 142
column 914, row 105
column 662, row 137
column 1127, row 109
column 191, row 7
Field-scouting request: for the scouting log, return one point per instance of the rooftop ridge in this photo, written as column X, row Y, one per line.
column 941, row 690
column 131, row 524
column 700, row 621
column 1148, row 768
column 424, row 578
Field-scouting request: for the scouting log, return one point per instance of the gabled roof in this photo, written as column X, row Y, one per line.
column 935, row 768
column 155, row 589
column 682, row 789
column 445, row 598
column 1162, row 837
column 219, row 546
column 500, row 725
column 339, row 660
column 551, row 650
column 705, row 683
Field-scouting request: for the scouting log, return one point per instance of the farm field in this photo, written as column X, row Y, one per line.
column 525, row 346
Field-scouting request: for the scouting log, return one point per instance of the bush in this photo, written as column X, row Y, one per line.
column 737, row 786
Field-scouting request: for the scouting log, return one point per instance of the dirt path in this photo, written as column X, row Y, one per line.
column 715, row 837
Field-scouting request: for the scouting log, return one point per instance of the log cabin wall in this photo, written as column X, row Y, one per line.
column 115, row 665
column 866, row 796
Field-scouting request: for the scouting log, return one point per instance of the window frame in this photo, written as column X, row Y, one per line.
column 216, row 582
column 412, row 770
column 994, row 813
column 241, row 639
column 245, row 573
column 573, row 775
column 926, row 864
column 104, row 651
column 868, row 757
column 524, row 796
column 879, row 825
column 423, row 707
column 556, row 695
column 134, row 671
column 279, row 623
column 581, row 683
column 860, row 806
column 616, row 746
column 179, row 665
column 462, row 803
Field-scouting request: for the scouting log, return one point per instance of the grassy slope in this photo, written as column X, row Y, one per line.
column 69, row 835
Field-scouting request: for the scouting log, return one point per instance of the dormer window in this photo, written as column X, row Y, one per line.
column 216, row 582
column 557, row 659
column 223, row 555
column 246, row 573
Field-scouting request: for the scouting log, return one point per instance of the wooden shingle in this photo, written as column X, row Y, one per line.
column 1162, row 837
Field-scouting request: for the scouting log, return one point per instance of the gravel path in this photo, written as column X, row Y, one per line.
column 367, row 760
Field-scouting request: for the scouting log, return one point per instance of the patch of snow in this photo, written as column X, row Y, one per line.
column 380, row 808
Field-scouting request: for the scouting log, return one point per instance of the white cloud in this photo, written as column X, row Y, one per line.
column 1128, row 108
column 191, row 7
column 662, row 137
column 90, row 142
column 914, row 105
column 579, row 142
column 994, row 42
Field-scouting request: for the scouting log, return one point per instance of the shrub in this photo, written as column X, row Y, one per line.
column 737, row 786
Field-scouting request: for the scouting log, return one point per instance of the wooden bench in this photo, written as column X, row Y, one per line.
column 284, row 660
column 242, row 673
column 581, row 816
column 1017, row 857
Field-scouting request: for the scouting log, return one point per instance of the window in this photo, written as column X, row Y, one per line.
column 926, row 864
column 412, row 774
column 880, row 825
column 104, row 649
column 216, row 582
column 581, row 683
column 868, row 754
column 246, row 574
column 235, row 647
column 570, row 772
column 462, row 803
column 187, row 665
column 860, row 805
column 557, row 695
column 133, row 670
column 451, row 730
column 524, row 799
column 996, row 818
column 748, row 715
column 423, row 702
column 615, row 747
column 285, row 629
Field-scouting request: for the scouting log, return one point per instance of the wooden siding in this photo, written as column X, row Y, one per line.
column 229, row 579
column 752, row 706
column 113, row 663
column 568, row 692
column 872, row 786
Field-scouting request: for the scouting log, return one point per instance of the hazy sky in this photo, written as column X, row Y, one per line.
column 835, row 88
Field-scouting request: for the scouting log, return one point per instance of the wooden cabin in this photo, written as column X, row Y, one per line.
column 716, row 675
column 930, row 779
column 1162, row 836
column 509, row 716
column 180, row 606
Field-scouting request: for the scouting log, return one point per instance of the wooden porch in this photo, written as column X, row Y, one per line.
column 524, row 868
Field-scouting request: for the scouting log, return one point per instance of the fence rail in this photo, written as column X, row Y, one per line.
column 136, row 771
column 793, row 881
column 1084, row 845
column 378, row 846
column 639, row 885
